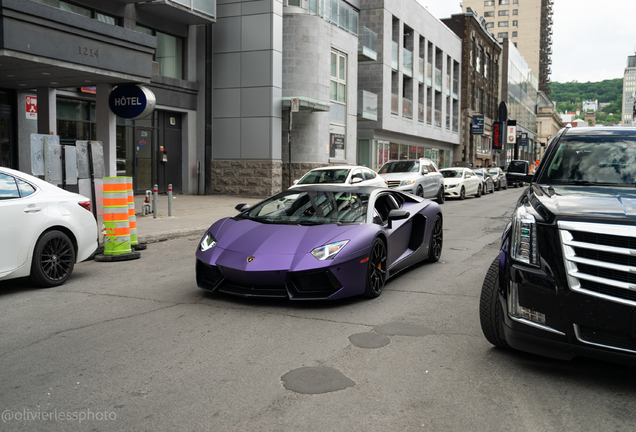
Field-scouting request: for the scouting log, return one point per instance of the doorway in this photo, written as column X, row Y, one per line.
column 143, row 172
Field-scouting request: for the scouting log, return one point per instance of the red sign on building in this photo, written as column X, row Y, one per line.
column 31, row 107
column 497, row 135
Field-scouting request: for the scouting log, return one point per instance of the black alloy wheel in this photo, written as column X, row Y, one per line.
column 441, row 197
column 490, row 310
column 376, row 269
column 437, row 241
column 478, row 195
column 420, row 192
column 53, row 259
column 462, row 193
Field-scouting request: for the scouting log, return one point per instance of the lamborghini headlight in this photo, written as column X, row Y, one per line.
column 524, row 237
column 328, row 251
column 208, row 242
column 407, row 182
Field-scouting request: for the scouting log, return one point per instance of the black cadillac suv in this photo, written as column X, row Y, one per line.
column 564, row 282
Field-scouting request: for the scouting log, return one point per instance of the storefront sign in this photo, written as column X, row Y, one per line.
column 478, row 125
column 132, row 101
column 32, row 107
column 511, row 132
column 336, row 146
column 523, row 141
column 497, row 135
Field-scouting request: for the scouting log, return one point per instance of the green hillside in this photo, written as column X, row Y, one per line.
column 568, row 97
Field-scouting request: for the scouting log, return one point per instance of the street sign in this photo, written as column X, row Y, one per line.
column 295, row 105
column 511, row 132
column 478, row 124
column 523, row 142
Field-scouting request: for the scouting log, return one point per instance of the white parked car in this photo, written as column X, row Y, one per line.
column 342, row 175
column 44, row 230
column 460, row 182
column 420, row 177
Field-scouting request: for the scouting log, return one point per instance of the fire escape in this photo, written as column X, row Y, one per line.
column 545, row 47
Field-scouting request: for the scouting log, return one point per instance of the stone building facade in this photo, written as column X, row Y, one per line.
column 481, row 54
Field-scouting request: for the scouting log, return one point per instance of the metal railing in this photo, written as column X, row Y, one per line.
column 420, row 113
column 438, row 79
column 407, row 108
column 438, row 118
column 395, row 49
column 367, row 43
column 420, row 74
column 407, row 62
column 367, row 105
column 395, row 103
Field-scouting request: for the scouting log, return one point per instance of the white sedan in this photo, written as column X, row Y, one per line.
column 459, row 182
column 45, row 230
column 342, row 175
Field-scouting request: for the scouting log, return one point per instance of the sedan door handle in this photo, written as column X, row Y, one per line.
column 32, row 209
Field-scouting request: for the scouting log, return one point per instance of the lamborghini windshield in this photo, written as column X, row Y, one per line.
column 311, row 208
column 593, row 160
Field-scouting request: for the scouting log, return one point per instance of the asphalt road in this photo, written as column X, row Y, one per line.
column 137, row 346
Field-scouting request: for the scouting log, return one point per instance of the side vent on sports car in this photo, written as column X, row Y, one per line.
column 417, row 232
column 208, row 277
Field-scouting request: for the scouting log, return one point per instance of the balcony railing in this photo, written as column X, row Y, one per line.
column 420, row 113
column 420, row 70
column 367, row 44
column 429, row 115
column 395, row 103
column 455, row 89
column 367, row 105
column 407, row 62
column 407, row 108
column 448, row 85
column 448, row 121
column 455, row 124
column 438, row 118
column 429, row 74
column 438, row 80
column 395, row 49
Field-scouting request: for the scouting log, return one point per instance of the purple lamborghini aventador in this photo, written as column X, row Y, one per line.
column 319, row 242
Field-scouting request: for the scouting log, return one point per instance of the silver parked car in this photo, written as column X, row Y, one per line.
column 499, row 177
column 420, row 177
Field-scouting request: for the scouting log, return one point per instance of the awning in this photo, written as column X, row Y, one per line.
column 306, row 103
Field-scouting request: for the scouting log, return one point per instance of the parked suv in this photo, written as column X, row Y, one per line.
column 516, row 167
column 417, row 176
column 564, row 282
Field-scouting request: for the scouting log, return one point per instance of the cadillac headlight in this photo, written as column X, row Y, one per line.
column 407, row 182
column 208, row 242
column 524, row 237
column 328, row 251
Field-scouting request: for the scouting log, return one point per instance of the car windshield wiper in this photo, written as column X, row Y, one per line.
column 591, row 183
column 309, row 223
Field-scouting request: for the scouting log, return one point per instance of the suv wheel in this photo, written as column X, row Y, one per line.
column 490, row 310
column 420, row 192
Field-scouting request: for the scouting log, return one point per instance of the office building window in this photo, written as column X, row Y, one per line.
column 502, row 24
column 489, row 3
column 514, row 34
column 515, row 1
column 89, row 13
column 503, row 35
column 503, row 13
column 169, row 53
column 515, row 23
column 338, row 77
column 490, row 25
column 489, row 14
column 504, row 2
column 515, row 11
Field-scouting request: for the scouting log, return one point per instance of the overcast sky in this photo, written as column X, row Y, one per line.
column 591, row 38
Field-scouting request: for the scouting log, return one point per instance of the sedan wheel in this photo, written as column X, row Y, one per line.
column 490, row 310
column 53, row 260
column 462, row 193
column 441, row 197
column 478, row 191
column 437, row 241
column 376, row 270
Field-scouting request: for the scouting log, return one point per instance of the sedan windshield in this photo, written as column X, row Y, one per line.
column 598, row 160
column 493, row 172
column 311, row 208
column 452, row 173
column 400, row 167
column 325, row 176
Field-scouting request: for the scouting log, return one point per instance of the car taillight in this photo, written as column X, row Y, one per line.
column 87, row 205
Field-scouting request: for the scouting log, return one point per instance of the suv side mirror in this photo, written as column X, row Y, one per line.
column 424, row 170
column 397, row 215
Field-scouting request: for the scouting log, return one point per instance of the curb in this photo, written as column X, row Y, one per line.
column 161, row 237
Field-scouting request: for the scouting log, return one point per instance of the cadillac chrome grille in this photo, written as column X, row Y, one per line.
column 600, row 260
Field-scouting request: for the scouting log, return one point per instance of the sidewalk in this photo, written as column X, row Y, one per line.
column 191, row 215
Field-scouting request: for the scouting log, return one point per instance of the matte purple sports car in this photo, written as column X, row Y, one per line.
column 319, row 242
